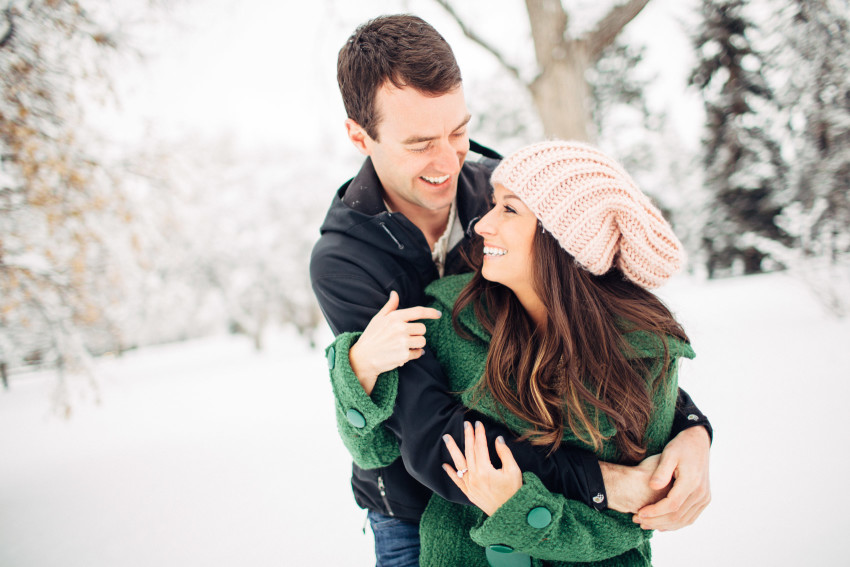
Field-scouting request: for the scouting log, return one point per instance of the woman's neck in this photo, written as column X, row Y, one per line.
column 533, row 306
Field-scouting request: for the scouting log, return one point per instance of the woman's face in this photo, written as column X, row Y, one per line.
column 508, row 231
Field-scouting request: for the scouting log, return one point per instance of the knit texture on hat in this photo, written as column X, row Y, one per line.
column 594, row 209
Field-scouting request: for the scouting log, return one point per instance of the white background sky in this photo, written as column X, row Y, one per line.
column 265, row 73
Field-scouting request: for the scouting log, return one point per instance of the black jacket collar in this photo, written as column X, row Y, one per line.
column 363, row 193
column 361, row 199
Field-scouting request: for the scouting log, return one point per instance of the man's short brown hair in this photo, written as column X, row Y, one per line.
column 402, row 49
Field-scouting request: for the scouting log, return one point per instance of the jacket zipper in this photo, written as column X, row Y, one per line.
column 382, row 489
column 399, row 244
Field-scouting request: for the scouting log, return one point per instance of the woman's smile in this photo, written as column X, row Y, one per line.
column 493, row 251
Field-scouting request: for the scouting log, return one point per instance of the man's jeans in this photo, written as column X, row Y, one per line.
column 396, row 541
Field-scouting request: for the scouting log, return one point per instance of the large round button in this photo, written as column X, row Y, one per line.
column 504, row 556
column 498, row 548
column 539, row 517
column 331, row 358
column 356, row 418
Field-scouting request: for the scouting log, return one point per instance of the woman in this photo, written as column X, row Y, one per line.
column 557, row 335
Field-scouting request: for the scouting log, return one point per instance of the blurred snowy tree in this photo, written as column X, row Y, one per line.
column 626, row 126
column 560, row 91
column 106, row 246
column 57, row 205
column 613, row 82
column 239, row 229
column 812, row 63
column 745, row 170
column 73, row 236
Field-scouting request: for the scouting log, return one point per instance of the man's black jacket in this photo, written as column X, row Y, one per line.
column 364, row 253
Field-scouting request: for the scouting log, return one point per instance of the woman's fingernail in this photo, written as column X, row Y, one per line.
column 466, row 425
column 446, row 438
column 479, row 424
column 500, row 439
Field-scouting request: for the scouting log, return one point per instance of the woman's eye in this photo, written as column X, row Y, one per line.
column 509, row 209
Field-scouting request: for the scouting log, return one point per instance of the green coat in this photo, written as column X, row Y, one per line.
column 453, row 534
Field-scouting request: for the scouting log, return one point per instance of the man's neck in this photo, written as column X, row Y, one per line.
column 432, row 223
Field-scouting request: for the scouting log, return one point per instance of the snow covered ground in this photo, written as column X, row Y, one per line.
column 208, row 453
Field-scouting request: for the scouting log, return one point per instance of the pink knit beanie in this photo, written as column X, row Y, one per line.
column 594, row 209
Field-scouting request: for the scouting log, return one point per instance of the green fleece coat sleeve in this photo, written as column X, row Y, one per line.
column 550, row 527
column 359, row 416
column 547, row 526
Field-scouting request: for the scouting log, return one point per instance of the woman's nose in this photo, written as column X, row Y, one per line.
column 484, row 226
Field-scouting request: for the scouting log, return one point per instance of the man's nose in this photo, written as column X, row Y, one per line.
column 447, row 161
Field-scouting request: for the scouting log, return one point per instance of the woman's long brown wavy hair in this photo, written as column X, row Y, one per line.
column 553, row 377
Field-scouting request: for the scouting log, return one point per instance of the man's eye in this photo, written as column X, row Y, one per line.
column 420, row 150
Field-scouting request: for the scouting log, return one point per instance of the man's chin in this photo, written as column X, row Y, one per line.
column 439, row 203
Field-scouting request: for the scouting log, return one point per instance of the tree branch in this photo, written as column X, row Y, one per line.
column 610, row 27
column 479, row 40
column 7, row 13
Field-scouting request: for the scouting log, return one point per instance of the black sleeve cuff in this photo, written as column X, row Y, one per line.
column 580, row 477
column 596, row 494
column 688, row 415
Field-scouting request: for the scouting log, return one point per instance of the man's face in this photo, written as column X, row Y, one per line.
column 423, row 141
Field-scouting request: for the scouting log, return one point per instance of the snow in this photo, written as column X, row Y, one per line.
column 202, row 453
column 210, row 453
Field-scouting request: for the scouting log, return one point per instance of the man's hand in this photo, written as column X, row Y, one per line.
column 685, row 463
column 389, row 341
column 628, row 488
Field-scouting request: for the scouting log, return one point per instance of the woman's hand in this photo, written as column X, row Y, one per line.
column 389, row 341
column 485, row 486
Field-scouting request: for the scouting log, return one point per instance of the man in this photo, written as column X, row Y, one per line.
column 399, row 224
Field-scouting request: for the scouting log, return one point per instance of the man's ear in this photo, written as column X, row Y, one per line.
column 358, row 136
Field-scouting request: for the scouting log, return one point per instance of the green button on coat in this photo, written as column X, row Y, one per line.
column 507, row 557
column 356, row 418
column 498, row 548
column 539, row 517
column 331, row 358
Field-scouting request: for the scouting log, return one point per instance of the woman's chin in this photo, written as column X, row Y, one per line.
column 491, row 275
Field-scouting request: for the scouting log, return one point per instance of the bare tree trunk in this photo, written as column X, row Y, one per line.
column 560, row 91
column 561, row 97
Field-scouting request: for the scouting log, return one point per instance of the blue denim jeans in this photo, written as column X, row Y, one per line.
column 396, row 541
